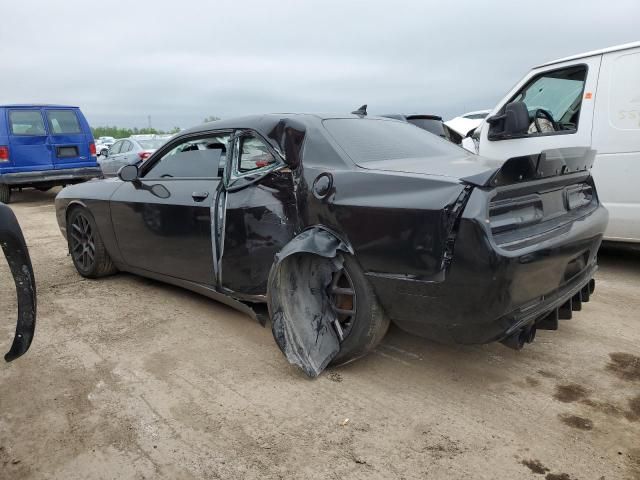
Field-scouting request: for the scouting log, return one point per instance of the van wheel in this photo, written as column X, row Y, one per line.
column 86, row 247
column 5, row 193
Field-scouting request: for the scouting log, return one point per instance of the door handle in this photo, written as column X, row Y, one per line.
column 199, row 196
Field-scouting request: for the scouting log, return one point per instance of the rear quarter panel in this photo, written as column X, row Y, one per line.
column 396, row 223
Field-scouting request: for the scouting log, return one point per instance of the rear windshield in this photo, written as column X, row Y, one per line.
column 370, row 140
column 430, row 125
column 26, row 122
column 151, row 144
column 63, row 121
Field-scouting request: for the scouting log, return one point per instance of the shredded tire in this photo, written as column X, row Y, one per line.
column 302, row 316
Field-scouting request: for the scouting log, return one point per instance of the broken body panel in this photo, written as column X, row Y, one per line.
column 456, row 249
column 15, row 250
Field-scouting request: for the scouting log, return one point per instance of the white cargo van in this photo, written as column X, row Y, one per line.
column 588, row 100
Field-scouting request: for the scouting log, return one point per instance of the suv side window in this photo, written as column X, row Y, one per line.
column 26, row 122
column 254, row 154
column 555, row 98
column 193, row 158
column 63, row 122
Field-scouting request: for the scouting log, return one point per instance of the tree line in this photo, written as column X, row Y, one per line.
column 118, row 132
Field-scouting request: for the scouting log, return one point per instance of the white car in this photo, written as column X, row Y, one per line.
column 103, row 144
column 586, row 101
column 467, row 123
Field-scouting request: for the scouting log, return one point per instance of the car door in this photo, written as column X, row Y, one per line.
column 28, row 144
column 68, row 143
column 109, row 163
column 162, row 221
column 123, row 156
column 127, row 153
column 565, row 90
column 259, row 215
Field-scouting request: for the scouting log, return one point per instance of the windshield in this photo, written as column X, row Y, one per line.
column 372, row 140
column 556, row 92
column 151, row 144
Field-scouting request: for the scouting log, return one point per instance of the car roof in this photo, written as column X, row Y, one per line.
column 36, row 105
column 266, row 122
column 615, row 48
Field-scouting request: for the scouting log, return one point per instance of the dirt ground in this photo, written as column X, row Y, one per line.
column 130, row 378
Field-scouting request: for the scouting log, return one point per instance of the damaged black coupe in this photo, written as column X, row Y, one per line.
column 342, row 224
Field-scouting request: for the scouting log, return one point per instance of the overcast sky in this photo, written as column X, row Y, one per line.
column 179, row 61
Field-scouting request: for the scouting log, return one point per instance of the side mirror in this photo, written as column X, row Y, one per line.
column 128, row 173
column 513, row 122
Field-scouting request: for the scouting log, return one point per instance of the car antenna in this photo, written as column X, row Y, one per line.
column 362, row 111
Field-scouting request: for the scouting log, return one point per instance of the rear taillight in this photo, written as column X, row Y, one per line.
column 4, row 153
column 92, row 149
column 144, row 155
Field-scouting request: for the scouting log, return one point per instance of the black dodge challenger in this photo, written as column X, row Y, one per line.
column 342, row 224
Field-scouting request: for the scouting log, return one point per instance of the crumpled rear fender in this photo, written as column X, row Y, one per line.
column 301, row 315
column 15, row 250
column 318, row 240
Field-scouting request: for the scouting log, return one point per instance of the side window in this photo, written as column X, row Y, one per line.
column 63, row 122
column 553, row 100
column 26, row 122
column 115, row 148
column 194, row 158
column 126, row 146
column 254, row 154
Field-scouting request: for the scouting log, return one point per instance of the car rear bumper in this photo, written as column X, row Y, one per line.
column 51, row 177
column 490, row 293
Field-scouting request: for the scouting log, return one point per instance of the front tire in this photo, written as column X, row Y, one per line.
column 5, row 193
column 86, row 247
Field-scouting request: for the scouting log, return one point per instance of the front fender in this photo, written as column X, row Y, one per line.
column 15, row 250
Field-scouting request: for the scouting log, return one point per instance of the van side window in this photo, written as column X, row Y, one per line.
column 553, row 100
column 63, row 122
column 26, row 122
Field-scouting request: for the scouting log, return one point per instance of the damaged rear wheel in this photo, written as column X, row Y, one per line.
column 323, row 311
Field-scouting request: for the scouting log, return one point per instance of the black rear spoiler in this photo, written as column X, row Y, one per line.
column 548, row 163
column 15, row 249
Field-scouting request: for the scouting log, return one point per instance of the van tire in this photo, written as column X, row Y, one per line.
column 5, row 193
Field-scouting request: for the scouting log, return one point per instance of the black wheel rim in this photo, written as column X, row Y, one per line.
column 83, row 248
column 343, row 300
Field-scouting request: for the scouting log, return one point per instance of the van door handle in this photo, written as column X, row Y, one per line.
column 199, row 196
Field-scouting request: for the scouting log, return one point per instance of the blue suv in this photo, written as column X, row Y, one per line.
column 42, row 146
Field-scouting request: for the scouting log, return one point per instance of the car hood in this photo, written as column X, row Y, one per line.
column 456, row 167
